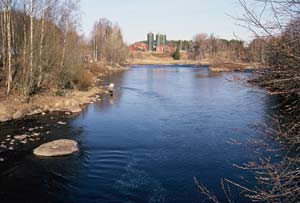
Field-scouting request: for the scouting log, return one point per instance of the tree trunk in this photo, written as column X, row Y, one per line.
column 31, row 45
column 3, row 39
column 64, row 46
column 41, row 45
column 9, row 45
column 24, row 66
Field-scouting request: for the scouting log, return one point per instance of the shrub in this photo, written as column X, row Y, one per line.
column 84, row 80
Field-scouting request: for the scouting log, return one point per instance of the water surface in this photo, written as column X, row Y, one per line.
column 164, row 126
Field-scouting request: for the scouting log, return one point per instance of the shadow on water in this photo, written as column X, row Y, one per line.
column 163, row 126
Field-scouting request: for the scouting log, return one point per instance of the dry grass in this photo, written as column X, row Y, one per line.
column 152, row 58
column 98, row 68
column 225, row 62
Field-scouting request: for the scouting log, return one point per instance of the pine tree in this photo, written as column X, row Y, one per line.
column 176, row 55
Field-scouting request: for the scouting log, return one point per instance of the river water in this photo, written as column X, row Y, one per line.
column 164, row 126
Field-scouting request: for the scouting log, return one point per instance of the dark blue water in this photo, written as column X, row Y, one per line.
column 163, row 127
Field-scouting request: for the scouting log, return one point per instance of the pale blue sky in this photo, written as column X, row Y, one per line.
column 179, row 19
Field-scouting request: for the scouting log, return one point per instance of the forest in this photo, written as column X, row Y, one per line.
column 42, row 48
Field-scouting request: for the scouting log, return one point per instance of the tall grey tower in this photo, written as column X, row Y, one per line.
column 150, row 40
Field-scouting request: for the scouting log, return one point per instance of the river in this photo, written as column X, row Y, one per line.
column 164, row 126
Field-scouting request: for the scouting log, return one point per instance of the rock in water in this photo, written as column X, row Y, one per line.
column 57, row 148
column 20, row 137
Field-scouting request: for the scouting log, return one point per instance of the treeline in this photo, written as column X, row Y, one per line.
column 107, row 42
column 184, row 45
column 41, row 47
column 208, row 46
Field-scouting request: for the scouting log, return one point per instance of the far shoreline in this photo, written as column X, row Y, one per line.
column 221, row 67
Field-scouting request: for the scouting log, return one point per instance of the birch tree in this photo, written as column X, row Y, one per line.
column 8, row 12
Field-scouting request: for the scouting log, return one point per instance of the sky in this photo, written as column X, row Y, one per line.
column 178, row 19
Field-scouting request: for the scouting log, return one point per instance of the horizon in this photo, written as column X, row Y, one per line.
column 133, row 18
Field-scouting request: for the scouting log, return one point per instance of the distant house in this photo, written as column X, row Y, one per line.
column 160, row 48
column 138, row 46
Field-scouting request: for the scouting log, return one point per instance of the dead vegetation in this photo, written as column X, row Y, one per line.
column 276, row 44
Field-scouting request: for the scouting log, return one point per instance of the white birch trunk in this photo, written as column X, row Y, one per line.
column 41, row 45
column 31, row 44
column 9, row 45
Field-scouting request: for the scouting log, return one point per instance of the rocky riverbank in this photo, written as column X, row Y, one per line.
column 16, row 108
column 71, row 102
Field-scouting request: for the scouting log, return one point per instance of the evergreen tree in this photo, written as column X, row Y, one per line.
column 176, row 55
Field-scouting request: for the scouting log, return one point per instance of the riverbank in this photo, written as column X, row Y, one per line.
column 167, row 61
column 229, row 66
column 69, row 101
column 219, row 63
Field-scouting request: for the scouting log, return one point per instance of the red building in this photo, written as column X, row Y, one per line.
column 164, row 49
column 138, row 46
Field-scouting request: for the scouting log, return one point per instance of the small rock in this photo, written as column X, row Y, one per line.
column 3, row 146
column 1, row 159
column 67, row 113
column 61, row 123
column 36, row 111
column 18, row 114
column 4, row 118
column 75, row 109
column 36, row 134
column 20, row 137
column 57, row 148
column 24, row 142
column 11, row 148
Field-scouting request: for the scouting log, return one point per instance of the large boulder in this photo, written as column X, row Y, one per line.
column 57, row 148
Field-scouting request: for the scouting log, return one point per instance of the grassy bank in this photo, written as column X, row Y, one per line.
column 219, row 63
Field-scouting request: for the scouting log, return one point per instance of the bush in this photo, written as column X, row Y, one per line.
column 84, row 80
column 97, row 68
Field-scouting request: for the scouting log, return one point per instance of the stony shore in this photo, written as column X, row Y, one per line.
column 73, row 101
column 14, row 108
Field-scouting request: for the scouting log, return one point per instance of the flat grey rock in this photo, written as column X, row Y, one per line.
column 57, row 148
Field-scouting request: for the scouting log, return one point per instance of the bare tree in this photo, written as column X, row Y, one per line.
column 41, row 44
column 8, row 12
column 108, row 44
